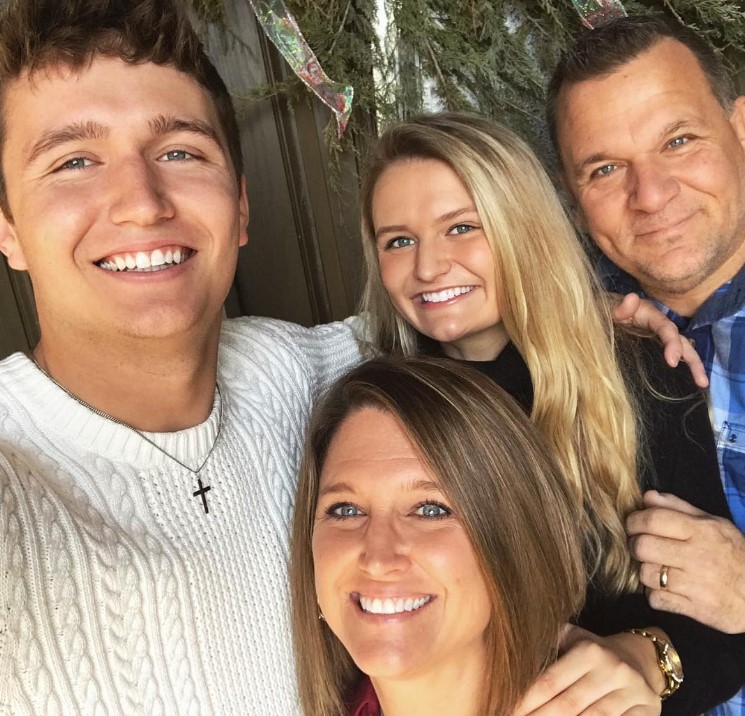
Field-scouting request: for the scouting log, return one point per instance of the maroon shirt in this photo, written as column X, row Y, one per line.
column 365, row 702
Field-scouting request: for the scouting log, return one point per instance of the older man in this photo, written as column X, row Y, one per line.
column 651, row 137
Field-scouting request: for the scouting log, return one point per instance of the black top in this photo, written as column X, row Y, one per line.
column 683, row 462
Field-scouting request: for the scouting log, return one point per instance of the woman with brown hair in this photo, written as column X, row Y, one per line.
column 442, row 542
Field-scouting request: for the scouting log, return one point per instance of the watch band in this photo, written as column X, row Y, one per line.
column 667, row 659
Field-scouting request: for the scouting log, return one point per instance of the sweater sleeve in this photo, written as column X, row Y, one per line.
column 681, row 461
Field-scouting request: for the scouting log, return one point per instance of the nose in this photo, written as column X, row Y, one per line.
column 432, row 259
column 138, row 194
column 652, row 187
column 384, row 550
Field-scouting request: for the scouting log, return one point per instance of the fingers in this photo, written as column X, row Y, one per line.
column 626, row 307
column 644, row 314
column 657, row 550
column 661, row 522
column 617, row 703
column 675, row 596
column 653, row 498
column 589, row 679
column 695, row 364
column 705, row 560
column 667, row 600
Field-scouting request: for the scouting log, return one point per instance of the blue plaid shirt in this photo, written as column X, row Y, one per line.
column 718, row 332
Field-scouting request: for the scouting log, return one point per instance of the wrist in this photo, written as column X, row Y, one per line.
column 640, row 654
column 668, row 660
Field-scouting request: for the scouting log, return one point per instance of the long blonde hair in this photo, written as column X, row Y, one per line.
column 552, row 308
column 506, row 489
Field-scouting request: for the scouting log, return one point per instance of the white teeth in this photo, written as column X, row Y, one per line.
column 145, row 261
column 392, row 606
column 446, row 295
column 157, row 258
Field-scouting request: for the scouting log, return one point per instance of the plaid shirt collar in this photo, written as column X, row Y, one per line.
column 727, row 300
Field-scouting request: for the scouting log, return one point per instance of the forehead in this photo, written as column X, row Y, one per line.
column 371, row 441
column 416, row 170
column 423, row 183
column 664, row 84
column 109, row 91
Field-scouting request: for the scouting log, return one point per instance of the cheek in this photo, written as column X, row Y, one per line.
column 329, row 559
column 393, row 274
column 387, row 267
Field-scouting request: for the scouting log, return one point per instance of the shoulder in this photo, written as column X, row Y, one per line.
column 647, row 369
column 282, row 356
column 21, row 386
column 253, row 331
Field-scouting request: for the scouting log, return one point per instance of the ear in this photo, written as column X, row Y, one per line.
column 243, row 213
column 737, row 119
column 10, row 246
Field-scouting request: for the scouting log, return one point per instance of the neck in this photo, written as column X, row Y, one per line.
column 484, row 347
column 155, row 385
column 454, row 690
column 686, row 301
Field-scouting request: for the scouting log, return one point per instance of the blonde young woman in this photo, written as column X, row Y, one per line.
column 469, row 254
column 442, row 543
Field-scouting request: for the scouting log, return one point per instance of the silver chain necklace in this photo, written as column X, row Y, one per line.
column 203, row 489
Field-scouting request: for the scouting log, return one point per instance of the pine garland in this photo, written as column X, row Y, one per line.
column 490, row 56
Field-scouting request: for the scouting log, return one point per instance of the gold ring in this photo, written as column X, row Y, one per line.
column 663, row 577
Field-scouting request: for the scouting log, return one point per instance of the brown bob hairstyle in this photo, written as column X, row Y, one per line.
column 513, row 502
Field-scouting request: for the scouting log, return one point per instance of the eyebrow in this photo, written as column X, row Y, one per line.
column 421, row 484
column 169, row 125
column 78, row 131
column 444, row 217
column 70, row 133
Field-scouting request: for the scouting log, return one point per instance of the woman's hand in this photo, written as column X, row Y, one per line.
column 631, row 309
column 594, row 675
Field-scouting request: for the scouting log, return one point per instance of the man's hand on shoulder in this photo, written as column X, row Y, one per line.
column 633, row 310
column 703, row 559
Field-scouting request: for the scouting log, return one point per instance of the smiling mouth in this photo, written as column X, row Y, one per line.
column 647, row 232
column 376, row 605
column 146, row 261
column 447, row 294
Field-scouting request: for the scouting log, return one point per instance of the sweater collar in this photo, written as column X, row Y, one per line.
column 54, row 412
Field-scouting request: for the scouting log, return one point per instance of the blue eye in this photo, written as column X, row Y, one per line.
column 432, row 510
column 603, row 171
column 399, row 242
column 678, row 142
column 459, row 229
column 341, row 510
column 178, row 155
column 75, row 163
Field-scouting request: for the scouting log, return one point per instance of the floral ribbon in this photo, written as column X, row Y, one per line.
column 595, row 13
column 282, row 29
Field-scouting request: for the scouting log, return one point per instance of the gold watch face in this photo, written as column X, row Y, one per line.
column 673, row 660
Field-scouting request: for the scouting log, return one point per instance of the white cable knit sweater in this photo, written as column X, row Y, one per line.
column 118, row 594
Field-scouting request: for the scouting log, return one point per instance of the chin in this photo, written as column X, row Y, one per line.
column 386, row 662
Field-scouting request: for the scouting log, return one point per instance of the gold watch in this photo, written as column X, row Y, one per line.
column 667, row 659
